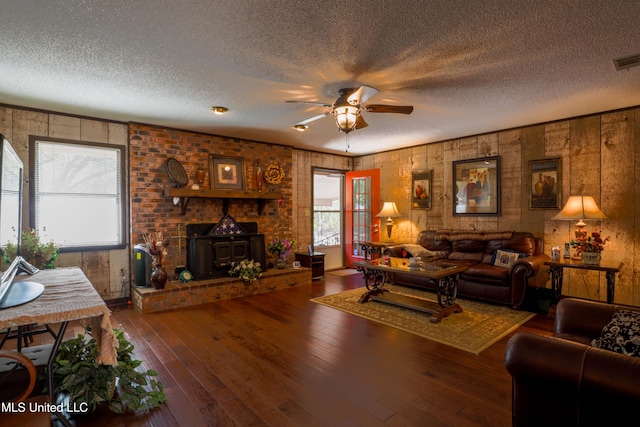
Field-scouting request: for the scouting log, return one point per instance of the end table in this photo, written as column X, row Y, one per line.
column 556, row 268
column 314, row 261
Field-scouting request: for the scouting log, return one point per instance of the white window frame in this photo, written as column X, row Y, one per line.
column 339, row 211
column 120, row 223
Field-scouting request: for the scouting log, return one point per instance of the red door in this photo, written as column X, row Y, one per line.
column 362, row 203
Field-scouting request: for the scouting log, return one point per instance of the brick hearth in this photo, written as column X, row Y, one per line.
column 177, row 294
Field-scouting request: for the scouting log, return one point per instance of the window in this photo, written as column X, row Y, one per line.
column 77, row 193
column 361, row 213
column 327, row 208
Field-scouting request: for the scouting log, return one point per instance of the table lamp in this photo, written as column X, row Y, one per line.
column 580, row 208
column 389, row 210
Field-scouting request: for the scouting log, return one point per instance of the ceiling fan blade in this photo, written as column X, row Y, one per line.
column 367, row 92
column 361, row 95
column 360, row 122
column 324, row 104
column 314, row 118
column 381, row 108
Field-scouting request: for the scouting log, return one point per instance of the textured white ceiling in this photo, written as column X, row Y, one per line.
column 467, row 67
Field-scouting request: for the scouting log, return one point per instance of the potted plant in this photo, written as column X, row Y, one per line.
column 589, row 247
column 38, row 254
column 281, row 248
column 89, row 384
column 247, row 270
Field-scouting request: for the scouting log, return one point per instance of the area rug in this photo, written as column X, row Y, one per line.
column 475, row 329
column 344, row 272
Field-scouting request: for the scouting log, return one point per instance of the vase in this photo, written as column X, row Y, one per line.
column 591, row 258
column 549, row 182
column 540, row 185
column 158, row 277
column 281, row 263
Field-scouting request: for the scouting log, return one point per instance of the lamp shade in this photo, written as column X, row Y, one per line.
column 346, row 117
column 389, row 210
column 580, row 207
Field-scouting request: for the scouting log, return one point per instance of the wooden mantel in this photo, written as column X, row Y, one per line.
column 226, row 195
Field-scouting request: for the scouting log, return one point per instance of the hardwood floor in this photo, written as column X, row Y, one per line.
column 278, row 359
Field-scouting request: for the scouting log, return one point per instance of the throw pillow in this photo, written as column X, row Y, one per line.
column 622, row 334
column 424, row 253
column 505, row 259
column 417, row 250
column 493, row 257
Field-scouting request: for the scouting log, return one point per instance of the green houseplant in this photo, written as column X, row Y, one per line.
column 122, row 387
column 39, row 254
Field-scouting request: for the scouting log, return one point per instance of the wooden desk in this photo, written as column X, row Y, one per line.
column 68, row 295
column 556, row 269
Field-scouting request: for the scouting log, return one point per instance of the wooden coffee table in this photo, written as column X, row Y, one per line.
column 445, row 277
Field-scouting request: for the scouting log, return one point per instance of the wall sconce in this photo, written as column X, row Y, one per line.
column 580, row 208
column 389, row 210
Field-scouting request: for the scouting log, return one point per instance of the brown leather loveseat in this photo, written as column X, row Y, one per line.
column 487, row 278
column 565, row 381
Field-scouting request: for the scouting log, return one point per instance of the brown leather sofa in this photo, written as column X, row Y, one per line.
column 477, row 249
column 563, row 381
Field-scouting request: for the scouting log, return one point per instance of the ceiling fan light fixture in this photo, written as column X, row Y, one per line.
column 301, row 128
column 346, row 117
column 219, row 110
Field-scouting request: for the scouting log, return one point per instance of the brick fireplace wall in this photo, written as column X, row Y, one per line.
column 151, row 211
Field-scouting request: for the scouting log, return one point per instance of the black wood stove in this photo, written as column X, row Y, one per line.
column 211, row 248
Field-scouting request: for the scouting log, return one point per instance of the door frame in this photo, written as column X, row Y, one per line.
column 374, row 207
column 342, row 213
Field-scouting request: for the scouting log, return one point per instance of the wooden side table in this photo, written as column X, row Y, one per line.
column 556, row 268
column 314, row 261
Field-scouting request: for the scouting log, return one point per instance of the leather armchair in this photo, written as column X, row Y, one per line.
column 561, row 380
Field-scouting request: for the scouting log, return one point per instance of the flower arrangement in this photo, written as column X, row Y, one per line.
column 247, row 270
column 40, row 255
column 281, row 247
column 592, row 243
column 156, row 246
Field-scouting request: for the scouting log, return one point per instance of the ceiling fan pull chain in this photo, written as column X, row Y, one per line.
column 347, row 136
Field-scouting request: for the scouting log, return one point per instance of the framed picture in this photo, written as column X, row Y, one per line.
column 545, row 183
column 226, row 173
column 476, row 186
column 421, row 190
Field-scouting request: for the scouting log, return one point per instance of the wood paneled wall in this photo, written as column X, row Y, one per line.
column 599, row 155
column 108, row 271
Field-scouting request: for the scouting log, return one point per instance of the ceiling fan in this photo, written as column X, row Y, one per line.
column 348, row 108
